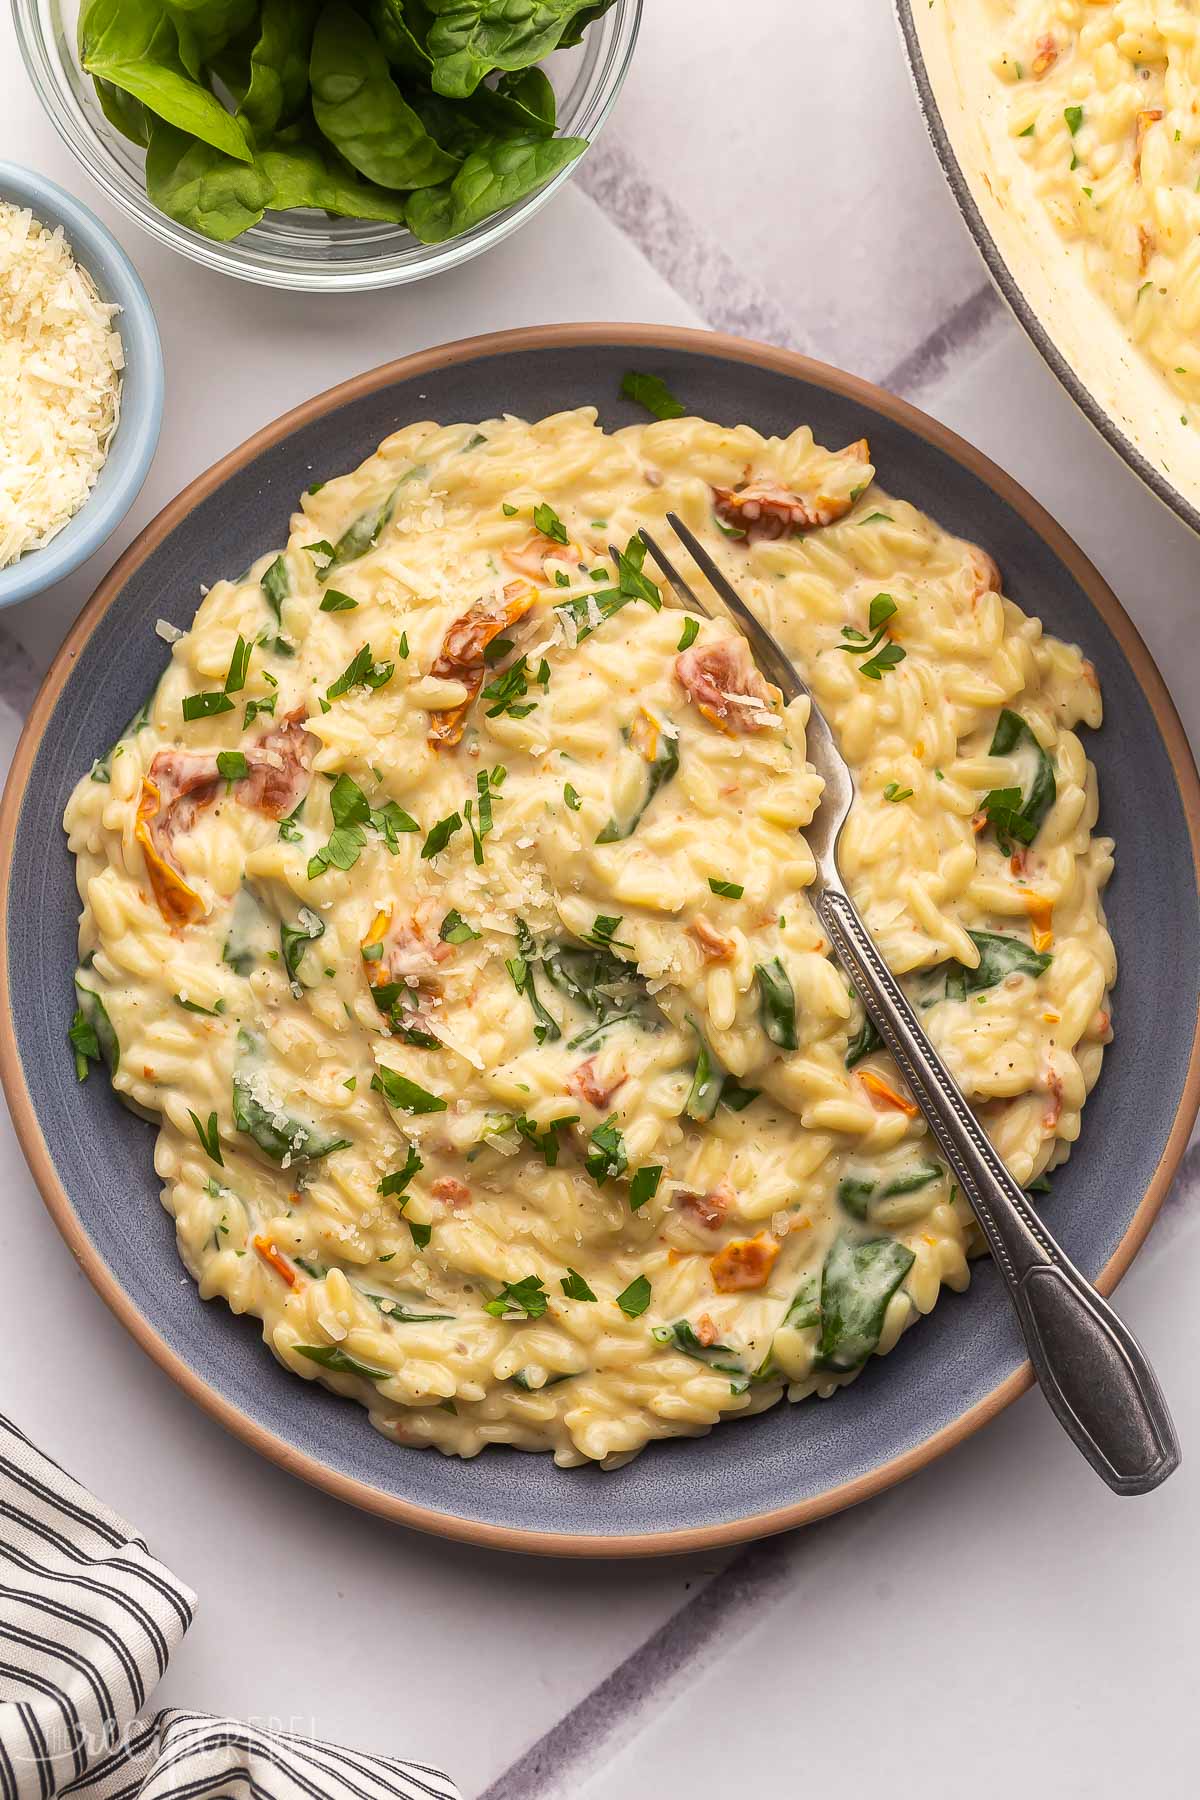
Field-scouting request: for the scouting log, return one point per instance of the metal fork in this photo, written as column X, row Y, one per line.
column 1090, row 1366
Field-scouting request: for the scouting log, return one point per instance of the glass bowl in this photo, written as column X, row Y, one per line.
column 308, row 249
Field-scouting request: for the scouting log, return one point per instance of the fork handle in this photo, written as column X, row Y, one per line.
column 1090, row 1366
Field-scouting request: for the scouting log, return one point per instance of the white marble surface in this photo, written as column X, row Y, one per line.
column 1001, row 1620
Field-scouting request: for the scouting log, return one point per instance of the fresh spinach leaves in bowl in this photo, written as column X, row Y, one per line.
column 427, row 113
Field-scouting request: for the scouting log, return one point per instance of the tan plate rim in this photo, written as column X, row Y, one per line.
column 649, row 337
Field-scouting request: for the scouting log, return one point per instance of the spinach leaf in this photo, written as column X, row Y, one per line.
column 133, row 45
column 652, row 393
column 805, row 1309
column 278, row 1134
column 340, row 1362
column 521, row 1380
column 400, row 28
column 201, row 187
column 251, row 937
column 403, row 1094
column 128, row 115
column 777, row 1003
column 277, row 91
column 864, row 1042
column 1012, row 813
column 363, row 534
column 520, row 973
column 707, row 1079
column 998, row 956
column 304, row 175
column 92, row 1036
column 855, row 1192
column 602, row 984
column 399, row 1314
column 469, row 38
column 361, row 111
column 205, row 27
column 493, row 177
column 276, row 584
column 857, row 1282
column 661, row 768
column 294, row 941
column 681, row 1336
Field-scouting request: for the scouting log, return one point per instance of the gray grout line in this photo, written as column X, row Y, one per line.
column 18, row 677
column 618, row 1703
column 683, row 253
column 930, row 360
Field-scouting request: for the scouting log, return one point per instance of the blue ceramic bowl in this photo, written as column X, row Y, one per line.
column 93, row 1160
column 132, row 449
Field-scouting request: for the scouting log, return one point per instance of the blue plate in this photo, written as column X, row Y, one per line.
column 92, row 1159
column 136, row 437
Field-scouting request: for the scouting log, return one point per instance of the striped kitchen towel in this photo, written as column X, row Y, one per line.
column 88, row 1621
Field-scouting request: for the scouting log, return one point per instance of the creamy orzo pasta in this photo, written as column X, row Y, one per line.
column 448, row 906
column 1102, row 100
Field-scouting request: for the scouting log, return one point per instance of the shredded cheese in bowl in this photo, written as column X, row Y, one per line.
column 60, row 383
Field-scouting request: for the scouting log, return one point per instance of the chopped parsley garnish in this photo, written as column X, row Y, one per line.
column 206, row 706
column 402, row 647
column 332, row 601
column 255, row 707
column 877, row 517
column 729, row 890
column 549, row 524
column 421, row 1234
column 439, row 836
column 633, row 583
column 1074, row 117
column 689, row 634
column 289, row 829
column 232, row 765
column 508, row 691
column 403, row 1094
column 571, row 797
column 209, row 1135
column 575, row 1287
column 544, row 1142
column 859, row 643
column 652, row 393
column 603, row 932
column 352, row 812
column 455, row 930
column 644, row 1185
column 634, row 1300
column 893, row 791
column 510, row 512
column 394, row 1184
column 363, row 671
column 527, row 1296
column 484, row 783
column 607, row 1155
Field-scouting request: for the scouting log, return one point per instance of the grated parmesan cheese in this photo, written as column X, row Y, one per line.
column 60, row 359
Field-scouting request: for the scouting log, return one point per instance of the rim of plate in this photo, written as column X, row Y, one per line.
column 549, row 337
column 1010, row 289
